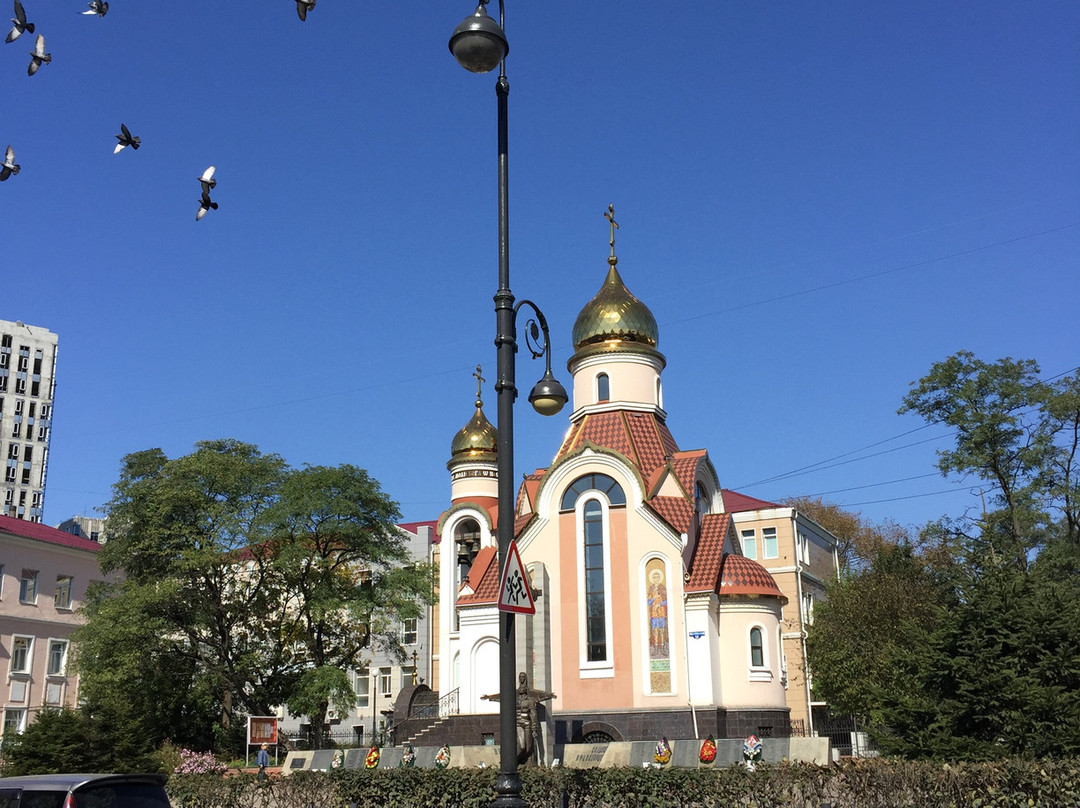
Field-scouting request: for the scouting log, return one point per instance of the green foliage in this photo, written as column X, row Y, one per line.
column 865, row 784
column 969, row 650
column 72, row 741
column 319, row 687
column 240, row 574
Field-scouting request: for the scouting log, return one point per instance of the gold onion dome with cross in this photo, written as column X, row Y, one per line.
column 477, row 440
column 614, row 320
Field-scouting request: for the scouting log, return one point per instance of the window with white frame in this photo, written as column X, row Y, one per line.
column 769, row 546
column 62, row 596
column 22, row 649
column 57, row 663
column 808, row 608
column 386, row 681
column 409, row 630
column 603, row 387
column 803, row 548
column 28, row 586
column 363, row 686
column 749, row 543
column 14, row 721
column 759, row 670
column 407, row 673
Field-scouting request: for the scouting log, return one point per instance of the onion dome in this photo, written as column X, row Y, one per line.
column 477, row 440
column 614, row 320
column 740, row 575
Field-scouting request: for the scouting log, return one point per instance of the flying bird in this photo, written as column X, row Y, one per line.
column 98, row 7
column 204, row 205
column 9, row 165
column 39, row 55
column 20, row 23
column 302, row 8
column 208, row 181
column 126, row 139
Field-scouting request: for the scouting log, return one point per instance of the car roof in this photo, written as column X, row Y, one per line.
column 70, row 782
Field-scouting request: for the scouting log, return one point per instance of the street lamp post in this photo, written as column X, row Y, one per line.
column 479, row 44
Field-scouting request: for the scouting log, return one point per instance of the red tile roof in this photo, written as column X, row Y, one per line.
column 676, row 511
column 483, row 579
column 734, row 502
column 685, row 465
column 740, row 575
column 40, row 532
column 709, row 553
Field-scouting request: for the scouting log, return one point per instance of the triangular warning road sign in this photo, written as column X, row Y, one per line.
column 515, row 588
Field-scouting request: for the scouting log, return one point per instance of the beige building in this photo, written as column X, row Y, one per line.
column 44, row 573
column 27, row 370
column 802, row 556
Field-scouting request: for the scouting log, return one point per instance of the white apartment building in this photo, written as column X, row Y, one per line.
column 27, row 384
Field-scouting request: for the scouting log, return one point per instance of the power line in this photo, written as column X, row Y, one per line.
column 874, row 485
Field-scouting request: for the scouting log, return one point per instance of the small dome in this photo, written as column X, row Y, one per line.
column 740, row 575
column 614, row 315
column 477, row 440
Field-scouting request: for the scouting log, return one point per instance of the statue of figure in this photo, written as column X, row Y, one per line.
column 530, row 742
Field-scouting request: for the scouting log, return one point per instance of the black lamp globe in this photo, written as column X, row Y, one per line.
column 479, row 43
column 548, row 396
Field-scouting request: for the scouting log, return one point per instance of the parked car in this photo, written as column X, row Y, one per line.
column 84, row 791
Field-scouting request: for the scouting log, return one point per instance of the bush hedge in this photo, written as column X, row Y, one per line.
column 859, row 784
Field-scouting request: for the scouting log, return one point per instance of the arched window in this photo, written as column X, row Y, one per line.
column 593, row 482
column 659, row 395
column 757, row 649
column 466, row 548
column 595, row 589
column 603, row 387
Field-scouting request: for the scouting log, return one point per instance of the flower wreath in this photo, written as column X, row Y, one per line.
column 442, row 759
column 663, row 751
column 372, row 759
column 708, row 750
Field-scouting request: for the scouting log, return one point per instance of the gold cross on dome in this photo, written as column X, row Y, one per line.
column 479, row 382
column 609, row 214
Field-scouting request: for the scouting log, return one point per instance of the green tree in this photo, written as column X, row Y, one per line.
column 232, row 576
column 858, row 541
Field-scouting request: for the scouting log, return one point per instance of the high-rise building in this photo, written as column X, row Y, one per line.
column 27, row 384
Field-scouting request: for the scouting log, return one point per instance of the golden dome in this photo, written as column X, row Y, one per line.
column 616, row 317
column 477, row 440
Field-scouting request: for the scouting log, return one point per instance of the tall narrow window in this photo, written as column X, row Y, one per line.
column 603, row 387
column 595, row 613
column 757, row 649
column 749, row 544
column 769, row 548
column 28, row 586
column 57, row 657
column 363, row 686
column 20, row 653
column 386, row 681
column 62, row 596
column 408, row 631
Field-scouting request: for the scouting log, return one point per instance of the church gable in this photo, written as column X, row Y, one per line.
column 717, row 532
column 482, row 585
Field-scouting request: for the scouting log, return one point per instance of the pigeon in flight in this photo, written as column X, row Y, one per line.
column 303, row 7
column 126, row 139
column 20, row 23
column 204, row 205
column 208, row 181
column 9, row 165
column 39, row 55
column 98, row 7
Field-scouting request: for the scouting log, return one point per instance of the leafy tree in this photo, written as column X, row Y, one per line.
column 233, row 576
column 858, row 541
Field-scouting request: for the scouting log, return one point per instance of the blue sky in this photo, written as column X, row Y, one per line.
column 817, row 201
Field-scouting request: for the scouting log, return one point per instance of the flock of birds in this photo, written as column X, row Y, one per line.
column 39, row 56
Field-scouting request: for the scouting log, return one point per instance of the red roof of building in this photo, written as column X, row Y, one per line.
column 734, row 502
column 740, row 575
column 414, row 527
column 709, row 553
column 483, row 579
column 40, row 532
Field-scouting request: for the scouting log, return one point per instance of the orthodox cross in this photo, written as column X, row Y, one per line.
column 609, row 214
column 479, row 382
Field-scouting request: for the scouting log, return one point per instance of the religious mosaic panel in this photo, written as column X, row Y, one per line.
column 656, row 593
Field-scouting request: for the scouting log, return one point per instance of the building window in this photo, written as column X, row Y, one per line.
column 757, row 648
column 808, row 608
column 14, row 721
column 407, row 673
column 769, row 547
column 28, row 586
column 595, row 589
column 62, row 598
column 21, row 651
column 13, row 451
column 386, row 682
column 603, row 387
column 749, row 544
column 57, row 657
column 409, row 631
column 363, row 687
column 593, row 482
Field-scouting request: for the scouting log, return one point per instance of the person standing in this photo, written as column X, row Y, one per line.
column 262, row 760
